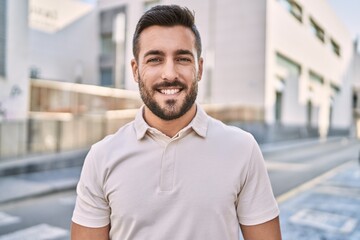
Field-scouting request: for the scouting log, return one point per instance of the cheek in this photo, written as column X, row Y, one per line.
column 191, row 75
column 187, row 71
column 149, row 74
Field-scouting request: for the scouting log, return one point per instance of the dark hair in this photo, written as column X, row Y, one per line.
column 166, row 15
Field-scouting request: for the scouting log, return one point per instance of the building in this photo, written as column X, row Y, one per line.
column 63, row 41
column 14, row 82
column 291, row 60
column 356, row 90
column 309, row 66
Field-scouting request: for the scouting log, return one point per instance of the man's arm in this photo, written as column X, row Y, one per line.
column 269, row 230
column 79, row 232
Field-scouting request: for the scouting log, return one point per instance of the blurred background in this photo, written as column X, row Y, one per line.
column 288, row 71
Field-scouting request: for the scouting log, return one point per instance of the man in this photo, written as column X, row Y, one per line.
column 174, row 172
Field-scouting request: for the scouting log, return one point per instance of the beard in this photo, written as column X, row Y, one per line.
column 172, row 109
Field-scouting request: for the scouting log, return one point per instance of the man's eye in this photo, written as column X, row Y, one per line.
column 184, row 59
column 153, row 60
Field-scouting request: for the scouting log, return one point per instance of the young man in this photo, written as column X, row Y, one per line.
column 174, row 172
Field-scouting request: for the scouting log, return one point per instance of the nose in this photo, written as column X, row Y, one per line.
column 169, row 71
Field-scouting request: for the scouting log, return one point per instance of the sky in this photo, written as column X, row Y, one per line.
column 349, row 12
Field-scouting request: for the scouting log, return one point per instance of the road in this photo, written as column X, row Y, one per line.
column 49, row 216
column 291, row 167
column 46, row 217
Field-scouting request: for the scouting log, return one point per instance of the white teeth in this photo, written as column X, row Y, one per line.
column 169, row 91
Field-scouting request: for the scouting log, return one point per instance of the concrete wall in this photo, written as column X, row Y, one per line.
column 296, row 41
column 13, row 138
column 14, row 88
column 240, row 52
column 69, row 53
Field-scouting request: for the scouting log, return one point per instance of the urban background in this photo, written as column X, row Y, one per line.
column 288, row 71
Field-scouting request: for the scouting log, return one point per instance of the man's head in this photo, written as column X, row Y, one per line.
column 167, row 16
column 167, row 64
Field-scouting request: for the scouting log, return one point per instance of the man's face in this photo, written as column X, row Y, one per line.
column 167, row 70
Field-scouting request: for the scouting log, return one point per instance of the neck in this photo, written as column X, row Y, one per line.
column 169, row 127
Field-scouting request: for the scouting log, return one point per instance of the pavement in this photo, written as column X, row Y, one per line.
column 39, row 175
column 326, row 208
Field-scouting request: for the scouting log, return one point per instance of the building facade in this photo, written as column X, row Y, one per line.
column 63, row 41
column 309, row 38
column 14, row 82
column 290, row 59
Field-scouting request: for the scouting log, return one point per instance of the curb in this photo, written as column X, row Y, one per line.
column 313, row 182
column 46, row 162
column 38, row 194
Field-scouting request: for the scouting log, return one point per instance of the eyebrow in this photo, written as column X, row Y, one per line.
column 154, row 52
column 184, row 52
column 161, row 53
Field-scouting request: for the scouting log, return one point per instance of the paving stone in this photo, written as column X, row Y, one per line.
column 329, row 210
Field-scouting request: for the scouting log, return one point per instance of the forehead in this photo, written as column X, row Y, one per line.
column 166, row 39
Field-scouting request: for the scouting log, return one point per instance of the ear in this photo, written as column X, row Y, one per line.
column 200, row 67
column 135, row 70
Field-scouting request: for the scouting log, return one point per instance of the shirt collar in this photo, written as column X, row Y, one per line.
column 199, row 123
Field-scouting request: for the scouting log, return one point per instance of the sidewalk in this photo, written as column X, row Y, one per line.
column 326, row 208
column 40, row 175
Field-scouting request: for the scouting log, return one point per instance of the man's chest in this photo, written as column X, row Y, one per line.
column 173, row 181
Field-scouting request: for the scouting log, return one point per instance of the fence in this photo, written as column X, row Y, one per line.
column 57, row 132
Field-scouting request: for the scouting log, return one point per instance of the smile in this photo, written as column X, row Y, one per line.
column 170, row 91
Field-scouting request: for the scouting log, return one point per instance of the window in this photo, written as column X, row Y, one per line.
column 335, row 47
column 34, row 72
column 112, row 32
column 309, row 113
column 107, row 44
column 355, row 100
column 292, row 7
column 2, row 38
column 278, row 106
column 279, row 89
column 335, row 88
column 316, row 77
column 317, row 30
column 293, row 69
column 107, row 27
column 106, row 77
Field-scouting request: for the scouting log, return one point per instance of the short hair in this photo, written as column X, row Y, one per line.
column 166, row 15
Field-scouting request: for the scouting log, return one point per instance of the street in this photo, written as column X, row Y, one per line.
column 48, row 217
column 289, row 168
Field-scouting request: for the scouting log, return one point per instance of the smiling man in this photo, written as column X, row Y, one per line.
column 174, row 172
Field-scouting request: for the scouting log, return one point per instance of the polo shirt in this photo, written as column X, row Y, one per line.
column 199, row 184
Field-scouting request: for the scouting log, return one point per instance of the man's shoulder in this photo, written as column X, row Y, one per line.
column 122, row 134
column 228, row 130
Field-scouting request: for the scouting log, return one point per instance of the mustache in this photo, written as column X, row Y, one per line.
column 175, row 83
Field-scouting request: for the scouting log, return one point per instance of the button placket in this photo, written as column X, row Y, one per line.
column 168, row 167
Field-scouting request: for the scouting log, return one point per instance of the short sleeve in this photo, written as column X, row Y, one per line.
column 256, row 202
column 91, row 208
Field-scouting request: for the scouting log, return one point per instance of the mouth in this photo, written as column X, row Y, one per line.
column 169, row 91
column 170, row 88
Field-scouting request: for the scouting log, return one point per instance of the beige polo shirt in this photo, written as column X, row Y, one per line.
column 197, row 185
